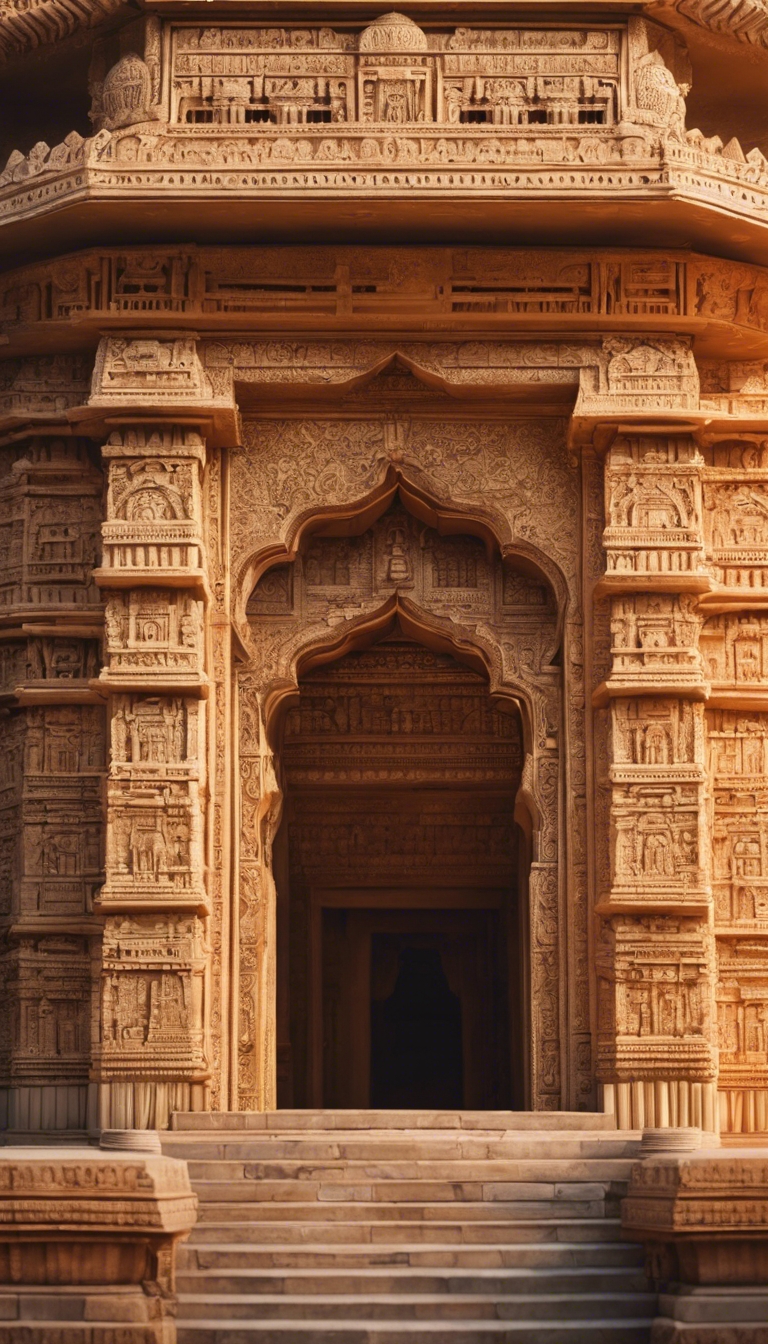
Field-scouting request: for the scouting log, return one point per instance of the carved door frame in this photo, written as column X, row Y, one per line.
column 264, row 682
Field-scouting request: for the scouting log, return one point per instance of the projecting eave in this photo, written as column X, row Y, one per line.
column 117, row 189
column 45, row 22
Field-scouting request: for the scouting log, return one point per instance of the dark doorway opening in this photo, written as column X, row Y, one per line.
column 416, row 1037
column 401, row 874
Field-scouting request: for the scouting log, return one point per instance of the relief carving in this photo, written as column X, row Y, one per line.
column 658, row 1004
column 152, row 999
column 133, row 369
column 154, row 638
column 154, row 524
column 653, row 510
column 735, row 653
column 655, row 645
column 638, row 373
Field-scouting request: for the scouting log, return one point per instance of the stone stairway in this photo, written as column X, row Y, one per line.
column 383, row 1227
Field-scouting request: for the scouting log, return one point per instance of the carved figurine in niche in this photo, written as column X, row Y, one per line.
column 656, row 848
column 399, row 565
column 167, row 1009
column 655, row 748
column 148, row 850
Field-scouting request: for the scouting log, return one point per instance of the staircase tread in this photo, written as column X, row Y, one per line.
column 408, row 1255
column 443, row 1325
column 444, row 1222
column 219, row 1299
column 449, row 1270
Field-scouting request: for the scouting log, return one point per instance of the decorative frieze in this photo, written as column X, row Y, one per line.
column 134, row 371
column 637, row 375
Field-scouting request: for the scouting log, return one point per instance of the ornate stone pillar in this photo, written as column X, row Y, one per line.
column 151, row 1057
column 657, row 1054
column 734, row 643
column 51, row 770
column 153, row 1054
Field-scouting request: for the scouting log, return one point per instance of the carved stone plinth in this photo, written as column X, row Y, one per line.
column 87, row 1241
column 702, row 1219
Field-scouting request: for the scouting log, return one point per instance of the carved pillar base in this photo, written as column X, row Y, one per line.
column 147, row 1105
column 662, row 1103
column 701, row 1218
column 711, row 1316
column 743, row 1110
column 49, row 1107
column 88, row 1238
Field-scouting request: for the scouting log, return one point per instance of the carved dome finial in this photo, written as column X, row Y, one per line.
column 393, row 32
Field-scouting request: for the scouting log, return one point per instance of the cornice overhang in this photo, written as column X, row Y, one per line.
column 740, row 20
column 139, row 185
column 26, row 25
column 223, row 129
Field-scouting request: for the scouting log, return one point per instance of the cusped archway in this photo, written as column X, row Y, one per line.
column 352, row 599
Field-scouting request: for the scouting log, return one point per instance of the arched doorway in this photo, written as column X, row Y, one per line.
column 400, row 719
column 401, row 913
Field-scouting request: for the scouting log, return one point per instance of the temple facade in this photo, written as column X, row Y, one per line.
column 384, row 583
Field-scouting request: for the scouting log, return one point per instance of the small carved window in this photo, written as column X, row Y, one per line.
column 318, row 114
column 257, row 114
column 474, row 116
column 591, row 116
column 200, row 114
column 538, row 116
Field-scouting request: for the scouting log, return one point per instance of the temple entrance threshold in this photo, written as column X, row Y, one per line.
column 400, row 872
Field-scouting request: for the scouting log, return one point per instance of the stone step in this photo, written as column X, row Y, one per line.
column 573, row 1199
column 546, row 1176
column 565, row 1331
column 417, row 1307
column 360, row 1211
column 446, row 1147
column 386, row 1232
column 489, row 1122
column 354, row 1227
column 311, row 1259
column 562, row 1277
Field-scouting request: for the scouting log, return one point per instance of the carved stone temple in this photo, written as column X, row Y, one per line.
column 384, row 560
